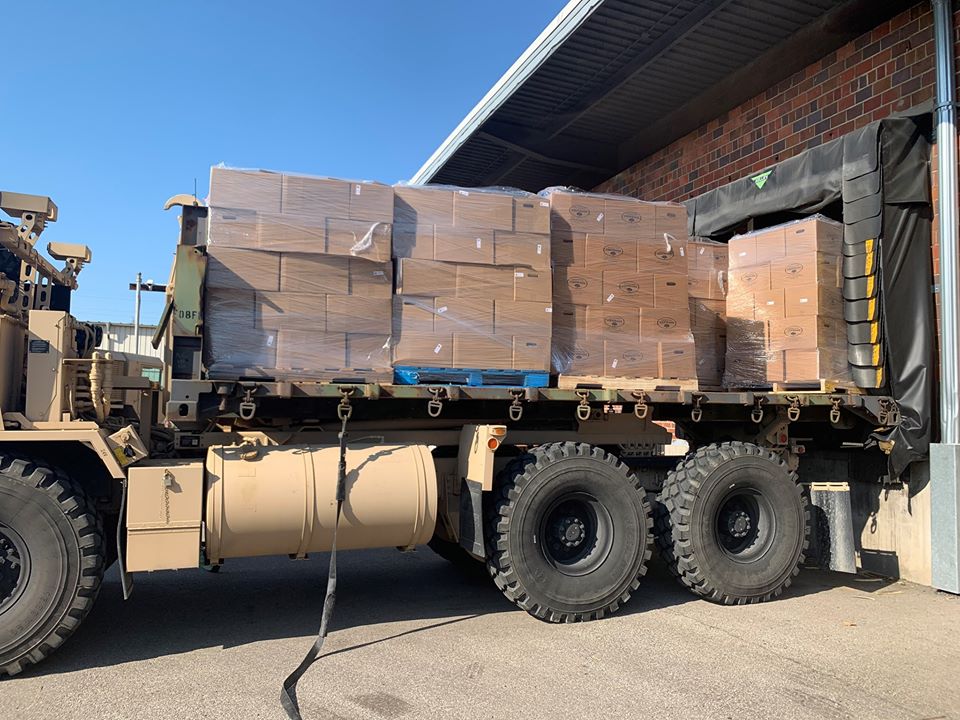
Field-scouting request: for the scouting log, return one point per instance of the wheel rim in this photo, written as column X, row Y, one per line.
column 745, row 525
column 576, row 534
column 14, row 567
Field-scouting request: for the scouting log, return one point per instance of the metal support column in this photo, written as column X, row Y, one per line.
column 945, row 455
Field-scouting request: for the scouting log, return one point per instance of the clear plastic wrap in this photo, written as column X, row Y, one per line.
column 296, row 315
column 708, row 313
column 620, row 290
column 784, row 306
column 281, row 212
column 473, row 284
column 486, row 226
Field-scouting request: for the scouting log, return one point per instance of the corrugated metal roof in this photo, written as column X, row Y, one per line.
column 602, row 86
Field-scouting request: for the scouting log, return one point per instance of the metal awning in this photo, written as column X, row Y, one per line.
column 610, row 81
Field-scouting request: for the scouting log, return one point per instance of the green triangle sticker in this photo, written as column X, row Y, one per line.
column 761, row 179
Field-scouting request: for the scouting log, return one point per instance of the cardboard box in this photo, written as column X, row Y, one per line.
column 658, row 255
column 531, row 215
column 424, row 349
column 256, row 190
column 317, row 274
column 521, row 248
column 413, row 241
column 775, row 368
column 460, row 315
column 814, row 235
column 302, row 311
column 806, row 269
column 229, row 311
column 806, row 333
column 293, row 233
column 367, row 351
column 670, row 292
column 371, row 201
column 628, row 218
column 482, row 209
column 678, row 359
column 707, row 254
column 235, row 269
column 426, row 278
column 371, row 279
column 577, row 212
column 628, row 358
column 352, row 313
column 770, row 244
column 522, row 318
column 531, row 353
column 578, row 286
column 768, row 305
column 360, row 238
column 420, row 205
column 473, row 350
column 582, row 356
column 813, row 299
column 607, row 321
column 310, row 350
column 665, row 324
column 230, row 228
column 568, row 249
column 628, row 288
column 485, row 281
column 569, row 321
column 742, row 251
column 671, row 219
column 606, row 252
column 532, row 285
column 315, row 197
column 463, row 245
column 750, row 279
column 413, row 314
column 813, row 365
column 706, row 283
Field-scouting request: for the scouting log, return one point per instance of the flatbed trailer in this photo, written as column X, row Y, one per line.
column 559, row 492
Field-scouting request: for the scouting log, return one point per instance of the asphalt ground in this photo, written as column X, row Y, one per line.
column 413, row 637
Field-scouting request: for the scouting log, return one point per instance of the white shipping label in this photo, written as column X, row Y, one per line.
column 437, row 349
column 479, row 243
column 742, row 254
column 270, row 341
column 803, row 300
column 539, row 248
column 610, row 297
column 465, row 194
column 681, row 251
column 356, row 189
column 378, row 273
column 519, row 274
column 614, row 363
column 549, row 309
column 702, row 250
column 442, row 309
column 600, row 217
column 771, row 302
column 544, row 204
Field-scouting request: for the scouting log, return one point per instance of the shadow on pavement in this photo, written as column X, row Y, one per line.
column 271, row 598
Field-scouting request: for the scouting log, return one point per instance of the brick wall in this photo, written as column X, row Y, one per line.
column 884, row 71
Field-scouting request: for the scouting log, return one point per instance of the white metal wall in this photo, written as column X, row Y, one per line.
column 119, row 337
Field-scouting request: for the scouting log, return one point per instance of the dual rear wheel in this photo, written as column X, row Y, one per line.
column 570, row 529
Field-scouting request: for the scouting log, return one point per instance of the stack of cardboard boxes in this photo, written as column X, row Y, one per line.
column 299, row 278
column 707, row 273
column 784, row 306
column 620, row 287
column 473, row 283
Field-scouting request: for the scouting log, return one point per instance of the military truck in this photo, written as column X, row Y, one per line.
column 559, row 492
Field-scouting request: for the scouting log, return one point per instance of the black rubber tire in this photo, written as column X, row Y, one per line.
column 456, row 555
column 527, row 491
column 687, row 518
column 64, row 542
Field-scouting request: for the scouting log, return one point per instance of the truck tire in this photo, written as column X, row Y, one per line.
column 569, row 532
column 51, row 560
column 733, row 524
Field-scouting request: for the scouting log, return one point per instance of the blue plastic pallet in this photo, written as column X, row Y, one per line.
column 412, row 375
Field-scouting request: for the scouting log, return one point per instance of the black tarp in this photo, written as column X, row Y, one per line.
column 879, row 176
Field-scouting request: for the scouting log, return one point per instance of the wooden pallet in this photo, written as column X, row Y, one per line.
column 826, row 387
column 572, row 382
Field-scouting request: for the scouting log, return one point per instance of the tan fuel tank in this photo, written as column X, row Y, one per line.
column 263, row 500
